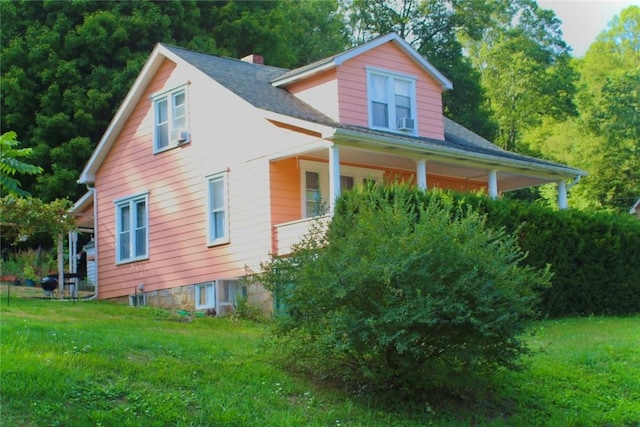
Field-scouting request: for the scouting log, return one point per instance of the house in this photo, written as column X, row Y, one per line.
column 635, row 209
column 212, row 163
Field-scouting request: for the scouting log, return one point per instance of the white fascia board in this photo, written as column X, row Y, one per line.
column 87, row 176
column 324, row 130
column 460, row 156
column 310, row 72
column 352, row 53
column 82, row 202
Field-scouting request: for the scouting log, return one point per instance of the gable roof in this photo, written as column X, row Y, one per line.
column 254, row 83
column 337, row 60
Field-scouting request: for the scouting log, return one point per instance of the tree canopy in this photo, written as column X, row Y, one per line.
column 68, row 65
column 11, row 164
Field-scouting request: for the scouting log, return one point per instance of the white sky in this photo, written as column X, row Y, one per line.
column 583, row 20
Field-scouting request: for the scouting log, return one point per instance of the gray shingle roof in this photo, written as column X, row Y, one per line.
column 252, row 82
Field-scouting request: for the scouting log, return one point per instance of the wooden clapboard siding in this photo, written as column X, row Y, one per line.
column 352, row 88
column 284, row 181
column 320, row 91
column 436, row 180
column 176, row 184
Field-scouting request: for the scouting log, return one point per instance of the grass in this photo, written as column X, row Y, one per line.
column 102, row 364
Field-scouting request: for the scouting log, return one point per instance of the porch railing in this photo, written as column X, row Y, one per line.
column 289, row 233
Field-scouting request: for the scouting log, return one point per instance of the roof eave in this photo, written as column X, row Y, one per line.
column 341, row 58
column 88, row 174
column 434, row 152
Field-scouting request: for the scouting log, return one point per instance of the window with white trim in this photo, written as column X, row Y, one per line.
column 171, row 127
column 222, row 295
column 391, row 101
column 315, row 184
column 313, row 196
column 132, row 225
column 205, row 296
column 218, row 210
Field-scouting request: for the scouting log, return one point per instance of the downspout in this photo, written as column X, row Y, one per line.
column 95, row 237
column 574, row 182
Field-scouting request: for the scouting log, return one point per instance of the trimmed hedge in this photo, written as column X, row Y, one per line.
column 595, row 256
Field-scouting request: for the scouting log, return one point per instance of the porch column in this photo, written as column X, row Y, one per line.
column 493, row 184
column 61, row 265
column 421, row 173
column 73, row 250
column 562, row 195
column 334, row 176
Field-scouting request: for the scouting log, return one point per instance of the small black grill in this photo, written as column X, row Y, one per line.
column 49, row 283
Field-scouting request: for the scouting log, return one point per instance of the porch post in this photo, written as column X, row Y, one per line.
column 334, row 176
column 562, row 195
column 61, row 265
column 73, row 250
column 493, row 184
column 421, row 173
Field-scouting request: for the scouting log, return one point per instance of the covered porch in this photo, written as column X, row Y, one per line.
column 306, row 184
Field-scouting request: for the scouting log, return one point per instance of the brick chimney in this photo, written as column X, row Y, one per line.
column 254, row 59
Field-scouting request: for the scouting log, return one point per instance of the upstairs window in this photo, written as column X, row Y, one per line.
column 171, row 127
column 132, row 222
column 218, row 211
column 392, row 101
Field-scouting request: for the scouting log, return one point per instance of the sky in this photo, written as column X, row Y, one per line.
column 583, row 20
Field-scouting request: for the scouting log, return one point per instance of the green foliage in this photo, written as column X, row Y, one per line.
column 99, row 363
column 525, row 70
column 409, row 293
column 29, row 263
column 67, row 65
column 592, row 254
column 11, row 164
column 24, row 217
column 609, row 101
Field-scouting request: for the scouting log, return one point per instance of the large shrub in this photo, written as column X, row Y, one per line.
column 404, row 292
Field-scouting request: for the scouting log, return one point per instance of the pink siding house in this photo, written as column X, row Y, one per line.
column 212, row 163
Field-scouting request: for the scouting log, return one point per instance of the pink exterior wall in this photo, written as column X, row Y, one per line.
column 341, row 93
column 176, row 183
column 352, row 89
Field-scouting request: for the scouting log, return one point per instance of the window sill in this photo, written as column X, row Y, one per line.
column 172, row 147
column 220, row 242
column 132, row 260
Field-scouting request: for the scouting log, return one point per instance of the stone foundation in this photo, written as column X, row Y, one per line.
column 183, row 298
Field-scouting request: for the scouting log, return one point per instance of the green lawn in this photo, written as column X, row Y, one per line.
column 101, row 364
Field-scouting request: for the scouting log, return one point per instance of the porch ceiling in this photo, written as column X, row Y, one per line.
column 508, row 180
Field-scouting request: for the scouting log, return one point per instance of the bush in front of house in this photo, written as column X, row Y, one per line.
column 404, row 292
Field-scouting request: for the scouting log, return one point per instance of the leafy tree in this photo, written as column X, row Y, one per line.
column 11, row 164
column 609, row 101
column 68, row 65
column 404, row 292
column 27, row 216
column 525, row 70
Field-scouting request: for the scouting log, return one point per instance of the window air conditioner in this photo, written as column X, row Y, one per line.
column 406, row 123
